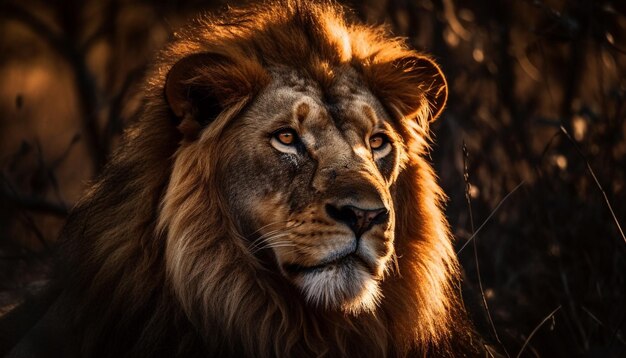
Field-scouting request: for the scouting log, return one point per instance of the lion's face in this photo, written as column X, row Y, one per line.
column 309, row 177
column 291, row 139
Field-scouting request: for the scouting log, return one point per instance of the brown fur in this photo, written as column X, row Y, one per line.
column 158, row 265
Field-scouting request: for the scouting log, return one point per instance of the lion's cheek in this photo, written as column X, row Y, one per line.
column 376, row 254
column 270, row 210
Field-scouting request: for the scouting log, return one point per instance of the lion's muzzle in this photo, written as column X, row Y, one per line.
column 358, row 220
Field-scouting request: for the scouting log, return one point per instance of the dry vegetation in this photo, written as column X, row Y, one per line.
column 531, row 150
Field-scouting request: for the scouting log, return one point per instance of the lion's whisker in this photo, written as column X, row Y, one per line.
column 270, row 239
column 267, row 240
column 268, row 236
column 268, row 225
column 263, row 237
column 272, row 242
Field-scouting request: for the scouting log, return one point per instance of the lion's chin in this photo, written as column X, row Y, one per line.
column 347, row 286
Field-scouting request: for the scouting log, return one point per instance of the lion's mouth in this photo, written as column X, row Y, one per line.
column 346, row 278
column 342, row 259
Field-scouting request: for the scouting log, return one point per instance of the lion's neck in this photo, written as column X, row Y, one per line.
column 262, row 313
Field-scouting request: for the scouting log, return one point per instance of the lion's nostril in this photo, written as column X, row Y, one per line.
column 358, row 220
column 343, row 214
column 379, row 216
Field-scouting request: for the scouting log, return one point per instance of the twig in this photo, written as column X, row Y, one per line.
column 114, row 122
column 56, row 162
column 453, row 21
column 593, row 175
column 467, row 185
column 615, row 334
column 46, row 171
column 614, row 47
column 36, row 204
column 597, row 320
column 10, row 194
column 535, row 331
column 592, row 316
column 471, row 217
column 490, row 215
column 32, row 226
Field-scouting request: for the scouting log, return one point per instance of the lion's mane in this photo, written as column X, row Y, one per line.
column 131, row 292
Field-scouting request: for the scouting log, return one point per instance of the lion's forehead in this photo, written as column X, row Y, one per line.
column 346, row 104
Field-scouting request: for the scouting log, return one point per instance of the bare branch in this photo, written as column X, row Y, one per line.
column 490, row 216
column 595, row 179
column 519, row 354
column 30, row 203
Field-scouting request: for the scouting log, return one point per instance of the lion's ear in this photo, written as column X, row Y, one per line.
column 201, row 86
column 413, row 84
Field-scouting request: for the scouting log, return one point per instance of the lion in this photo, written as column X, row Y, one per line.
column 273, row 200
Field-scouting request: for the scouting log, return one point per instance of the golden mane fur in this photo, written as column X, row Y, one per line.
column 133, row 292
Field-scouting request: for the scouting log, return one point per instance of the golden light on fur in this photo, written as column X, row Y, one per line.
column 205, row 237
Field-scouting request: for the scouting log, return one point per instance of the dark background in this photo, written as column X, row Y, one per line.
column 533, row 135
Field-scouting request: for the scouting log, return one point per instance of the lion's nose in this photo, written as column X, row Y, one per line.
column 359, row 220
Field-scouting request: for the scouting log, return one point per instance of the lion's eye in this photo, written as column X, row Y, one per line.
column 380, row 144
column 286, row 136
column 378, row 141
column 285, row 140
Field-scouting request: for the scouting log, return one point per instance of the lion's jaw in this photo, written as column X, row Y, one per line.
column 347, row 277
